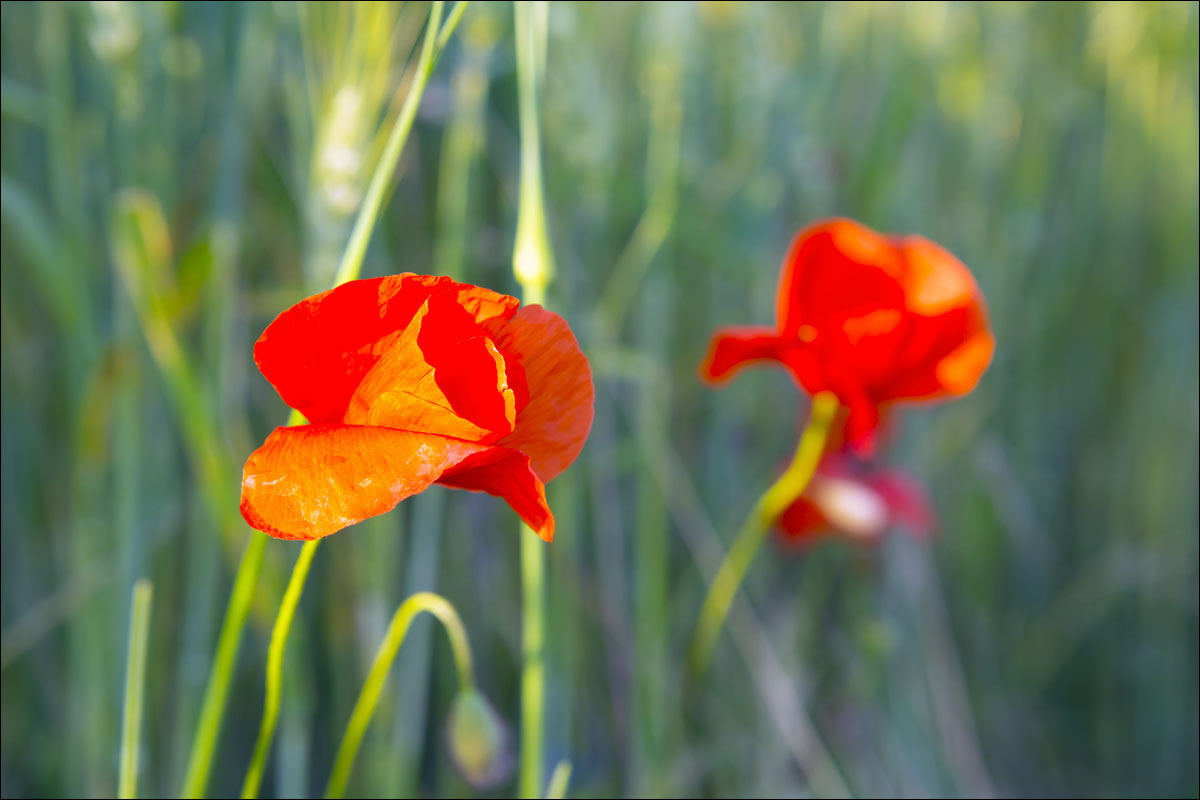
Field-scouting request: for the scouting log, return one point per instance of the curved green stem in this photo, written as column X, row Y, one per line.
column 135, row 684
column 212, row 709
column 534, row 268
column 364, row 709
column 275, row 651
column 754, row 530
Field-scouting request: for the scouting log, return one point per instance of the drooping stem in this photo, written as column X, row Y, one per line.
column 534, row 268
column 246, row 579
column 275, row 652
column 135, row 685
column 754, row 530
column 368, row 699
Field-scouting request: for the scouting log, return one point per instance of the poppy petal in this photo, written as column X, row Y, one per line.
column 506, row 474
column 309, row 481
column 801, row 522
column 861, row 422
column 948, row 343
column 934, row 280
column 734, row 347
column 852, row 506
column 554, row 425
column 469, row 368
column 859, row 414
column 835, row 269
column 317, row 352
column 443, row 376
column 961, row 369
column 948, row 356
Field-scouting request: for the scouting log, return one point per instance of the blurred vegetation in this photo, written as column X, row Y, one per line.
column 175, row 174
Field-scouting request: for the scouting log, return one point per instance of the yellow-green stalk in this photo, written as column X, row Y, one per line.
column 534, row 268
column 754, row 530
column 135, row 687
column 275, row 653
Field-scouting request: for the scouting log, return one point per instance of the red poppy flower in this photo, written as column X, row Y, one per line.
column 872, row 318
column 410, row 380
column 858, row 501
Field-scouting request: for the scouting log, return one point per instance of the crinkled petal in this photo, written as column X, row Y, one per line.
column 553, row 426
column 735, row 347
column 506, row 474
column 442, row 375
column 317, row 352
column 309, row 481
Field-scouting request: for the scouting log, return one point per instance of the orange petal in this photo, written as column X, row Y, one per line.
column 934, row 280
column 317, row 352
column 734, row 347
column 310, row 481
column 554, row 425
column 443, row 376
column 506, row 473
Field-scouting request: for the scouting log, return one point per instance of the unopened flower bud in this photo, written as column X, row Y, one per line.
column 478, row 740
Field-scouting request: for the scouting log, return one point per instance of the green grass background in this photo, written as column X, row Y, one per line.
column 175, row 174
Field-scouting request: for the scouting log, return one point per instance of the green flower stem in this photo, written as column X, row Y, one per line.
column 560, row 779
column 246, row 579
column 754, row 530
column 534, row 268
column 533, row 263
column 275, row 651
column 217, row 690
column 135, row 684
column 456, row 15
column 368, row 699
column 533, row 673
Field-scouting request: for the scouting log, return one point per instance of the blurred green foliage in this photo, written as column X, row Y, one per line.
column 174, row 174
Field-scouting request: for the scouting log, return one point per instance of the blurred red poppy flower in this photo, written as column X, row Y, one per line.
column 850, row 498
column 410, row 380
column 871, row 318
